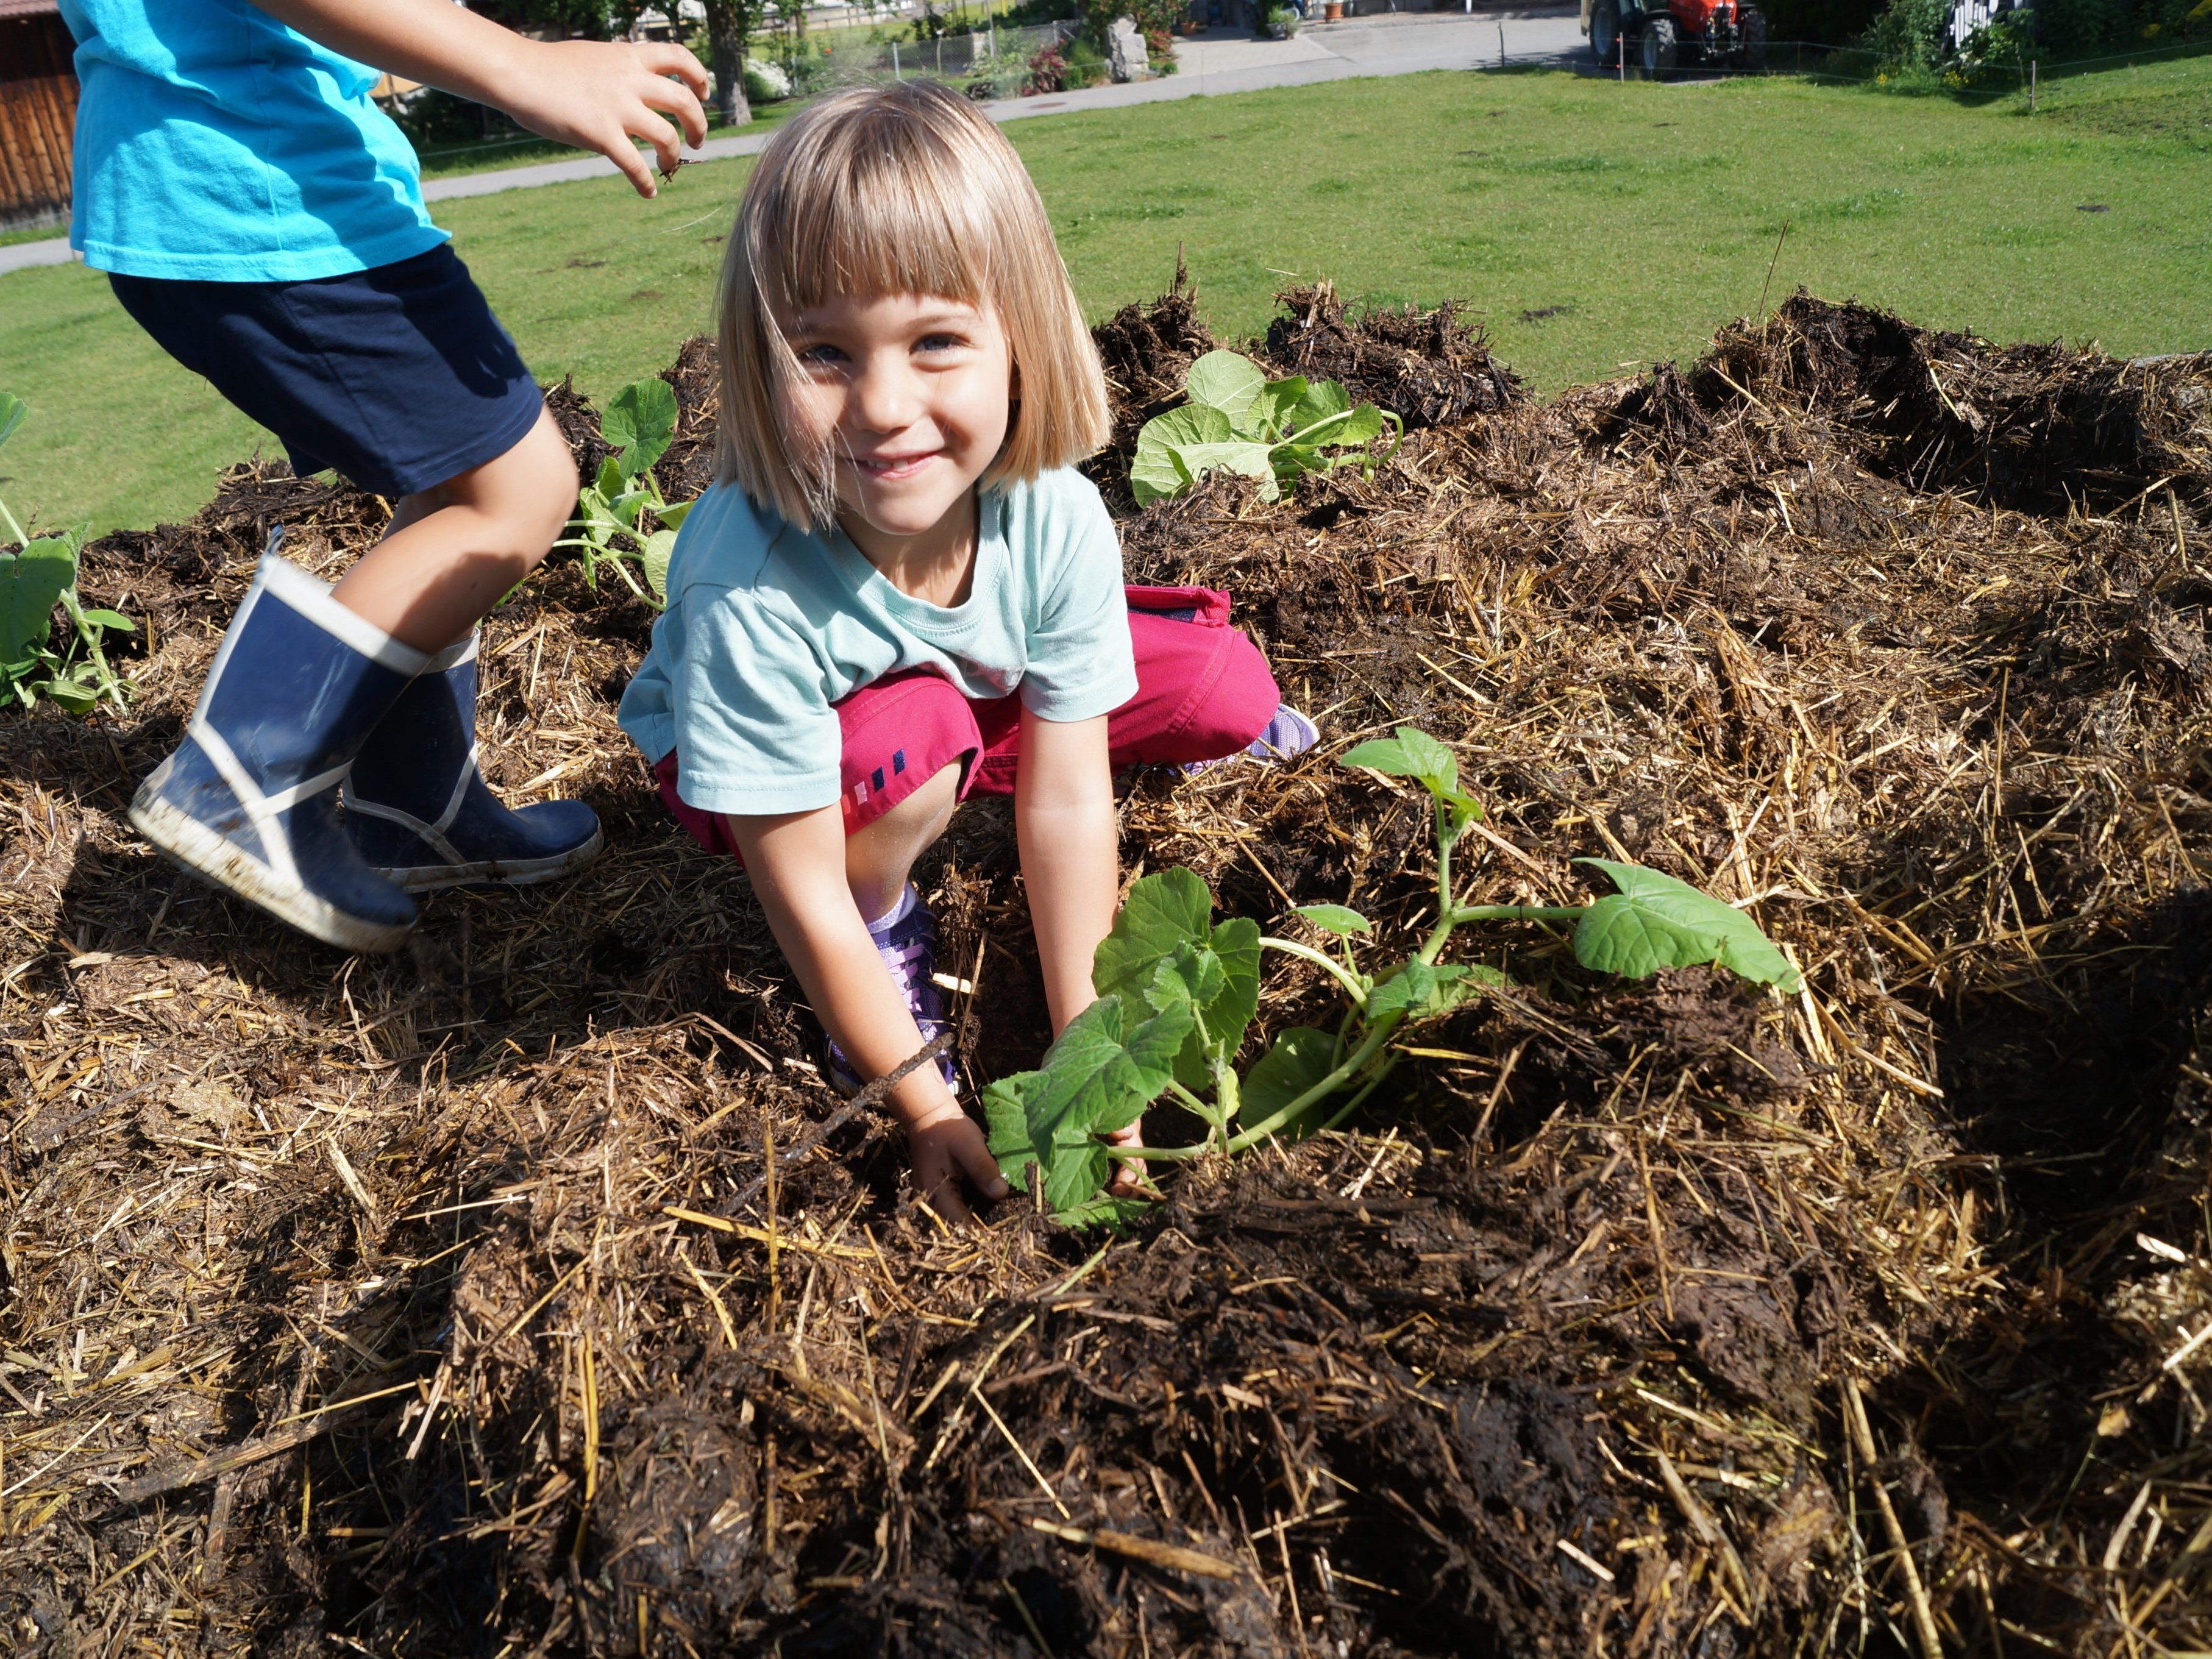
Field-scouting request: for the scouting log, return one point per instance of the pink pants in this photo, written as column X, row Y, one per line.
column 1203, row 692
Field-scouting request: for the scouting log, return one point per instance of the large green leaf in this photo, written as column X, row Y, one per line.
column 12, row 410
column 1271, row 412
column 671, row 514
column 31, row 585
column 1230, row 1011
column 1413, row 753
column 641, row 422
column 1299, row 1060
column 1229, row 383
column 1095, row 1081
column 1106, row 1211
column 1248, row 458
column 1167, row 922
column 1335, row 918
column 1317, row 401
column 1655, row 921
column 659, row 548
column 1421, row 992
column 1153, row 472
column 1164, row 912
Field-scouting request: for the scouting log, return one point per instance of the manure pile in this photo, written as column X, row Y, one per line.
column 348, row 1308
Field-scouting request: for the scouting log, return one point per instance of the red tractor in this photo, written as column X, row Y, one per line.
column 1673, row 32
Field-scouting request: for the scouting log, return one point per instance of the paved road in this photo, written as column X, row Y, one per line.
column 1219, row 61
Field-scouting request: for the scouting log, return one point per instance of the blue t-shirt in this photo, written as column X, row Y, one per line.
column 214, row 143
column 768, row 627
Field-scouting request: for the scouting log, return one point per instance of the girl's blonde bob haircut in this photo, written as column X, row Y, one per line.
column 907, row 189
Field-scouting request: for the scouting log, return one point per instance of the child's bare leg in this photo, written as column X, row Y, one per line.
column 879, row 855
column 451, row 551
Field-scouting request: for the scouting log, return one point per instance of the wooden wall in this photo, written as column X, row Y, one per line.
column 38, row 112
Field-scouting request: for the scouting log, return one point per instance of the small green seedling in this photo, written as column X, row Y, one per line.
column 621, row 514
column 40, row 575
column 1239, row 421
column 1177, row 990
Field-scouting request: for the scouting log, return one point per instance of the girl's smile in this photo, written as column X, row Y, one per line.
column 914, row 393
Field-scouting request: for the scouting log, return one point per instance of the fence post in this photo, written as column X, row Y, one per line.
column 896, row 75
column 2033, row 64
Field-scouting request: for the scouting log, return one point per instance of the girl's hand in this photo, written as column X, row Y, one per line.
column 599, row 94
column 946, row 1147
column 1128, row 1173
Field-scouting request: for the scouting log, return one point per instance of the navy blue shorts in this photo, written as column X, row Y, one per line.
column 399, row 377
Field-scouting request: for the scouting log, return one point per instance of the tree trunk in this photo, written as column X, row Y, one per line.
column 725, row 52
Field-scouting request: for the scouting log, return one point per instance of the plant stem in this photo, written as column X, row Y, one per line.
column 1517, row 912
column 1377, row 1035
column 1198, row 1107
column 15, row 529
column 1351, row 985
column 1445, row 919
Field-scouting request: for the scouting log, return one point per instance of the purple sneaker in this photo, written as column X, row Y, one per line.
column 907, row 941
column 1290, row 733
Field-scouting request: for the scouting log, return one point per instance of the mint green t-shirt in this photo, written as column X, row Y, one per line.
column 768, row 627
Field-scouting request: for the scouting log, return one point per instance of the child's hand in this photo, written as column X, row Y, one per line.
column 597, row 94
column 946, row 1147
column 1128, row 1173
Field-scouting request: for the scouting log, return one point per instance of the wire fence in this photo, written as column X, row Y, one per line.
column 990, row 62
column 1813, row 60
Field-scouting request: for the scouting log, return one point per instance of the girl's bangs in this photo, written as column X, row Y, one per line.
column 890, row 217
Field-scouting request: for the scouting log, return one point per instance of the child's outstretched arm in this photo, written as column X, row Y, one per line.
column 797, row 863
column 595, row 94
column 1065, row 822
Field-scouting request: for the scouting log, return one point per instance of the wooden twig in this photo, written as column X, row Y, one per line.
column 1923, row 1617
column 1710, row 1532
column 871, row 1095
column 1149, row 1551
column 214, row 1464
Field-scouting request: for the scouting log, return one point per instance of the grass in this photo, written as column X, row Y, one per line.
column 1596, row 227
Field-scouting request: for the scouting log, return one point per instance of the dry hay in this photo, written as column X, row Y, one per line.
column 528, row 1291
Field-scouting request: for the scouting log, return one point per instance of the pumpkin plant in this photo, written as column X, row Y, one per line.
column 1237, row 419
column 37, row 576
column 622, row 516
column 1178, row 990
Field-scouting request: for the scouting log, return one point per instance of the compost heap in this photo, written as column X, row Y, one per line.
column 530, row 1291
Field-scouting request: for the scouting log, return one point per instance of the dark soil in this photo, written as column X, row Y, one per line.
column 1895, row 638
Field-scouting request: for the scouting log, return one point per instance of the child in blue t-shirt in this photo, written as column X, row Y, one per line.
column 899, row 590
column 263, row 220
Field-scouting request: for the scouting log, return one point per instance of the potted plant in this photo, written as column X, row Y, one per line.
column 1334, row 12
column 1282, row 23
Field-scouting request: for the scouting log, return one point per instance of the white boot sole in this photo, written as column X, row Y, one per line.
column 505, row 873
column 199, row 849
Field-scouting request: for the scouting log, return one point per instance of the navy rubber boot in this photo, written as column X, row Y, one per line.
column 249, row 798
column 419, row 813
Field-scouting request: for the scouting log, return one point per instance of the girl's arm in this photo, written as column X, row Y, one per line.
column 797, row 863
column 1064, row 820
column 594, row 95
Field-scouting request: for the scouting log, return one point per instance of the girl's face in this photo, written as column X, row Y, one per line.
column 914, row 394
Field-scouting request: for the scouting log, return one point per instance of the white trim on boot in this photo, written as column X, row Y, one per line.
column 273, row 883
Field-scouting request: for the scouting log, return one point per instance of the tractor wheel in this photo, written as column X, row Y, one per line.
column 1750, row 53
column 1661, row 46
column 1605, row 34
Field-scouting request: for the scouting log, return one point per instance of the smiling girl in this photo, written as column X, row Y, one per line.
column 899, row 590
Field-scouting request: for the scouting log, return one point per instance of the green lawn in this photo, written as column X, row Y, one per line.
column 1645, row 215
